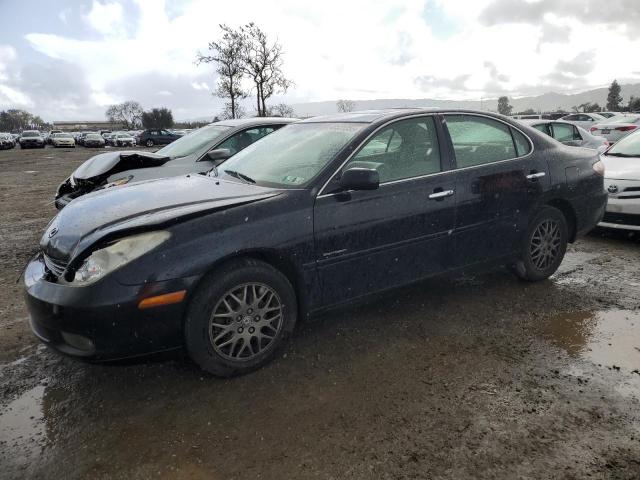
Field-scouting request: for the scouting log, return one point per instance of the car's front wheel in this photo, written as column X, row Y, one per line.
column 544, row 245
column 149, row 143
column 238, row 317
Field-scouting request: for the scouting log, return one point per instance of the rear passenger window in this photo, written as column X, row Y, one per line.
column 523, row 146
column 404, row 149
column 479, row 140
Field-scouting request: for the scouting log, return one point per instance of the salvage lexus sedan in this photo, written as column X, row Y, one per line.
column 199, row 151
column 622, row 181
column 317, row 214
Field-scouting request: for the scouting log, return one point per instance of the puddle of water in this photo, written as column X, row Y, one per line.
column 609, row 338
column 22, row 421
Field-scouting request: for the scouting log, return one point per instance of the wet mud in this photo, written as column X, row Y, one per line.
column 472, row 376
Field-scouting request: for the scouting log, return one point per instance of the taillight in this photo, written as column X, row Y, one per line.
column 598, row 167
column 593, row 129
column 626, row 129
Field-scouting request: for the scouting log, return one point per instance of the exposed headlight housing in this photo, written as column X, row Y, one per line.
column 106, row 260
column 119, row 181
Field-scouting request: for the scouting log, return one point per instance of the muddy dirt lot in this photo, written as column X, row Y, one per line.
column 479, row 376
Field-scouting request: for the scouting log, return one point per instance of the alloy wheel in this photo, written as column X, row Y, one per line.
column 545, row 244
column 245, row 321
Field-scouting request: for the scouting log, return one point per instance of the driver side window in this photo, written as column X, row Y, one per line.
column 407, row 148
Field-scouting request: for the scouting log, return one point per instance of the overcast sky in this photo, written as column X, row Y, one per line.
column 70, row 59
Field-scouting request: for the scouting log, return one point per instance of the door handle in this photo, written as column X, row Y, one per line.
column 440, row 195
column 534, row 176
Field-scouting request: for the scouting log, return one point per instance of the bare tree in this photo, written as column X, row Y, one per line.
column 262, row 62
column 345, row 105
column 228, row 113
column 128, row 113
column 227, row 53
column 281, row 110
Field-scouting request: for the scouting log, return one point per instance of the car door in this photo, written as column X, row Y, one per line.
column 371, row 240
column 498, row 184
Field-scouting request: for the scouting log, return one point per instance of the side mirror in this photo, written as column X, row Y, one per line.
column 360, row 179
column 218, row 155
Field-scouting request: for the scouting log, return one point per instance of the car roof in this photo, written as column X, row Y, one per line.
column 375, row 116
column 243, row 122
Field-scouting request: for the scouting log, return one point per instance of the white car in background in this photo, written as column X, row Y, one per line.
column 616, row 128
column 569, row 134
column 622, row 182
column 584, row 120
column 62, row 140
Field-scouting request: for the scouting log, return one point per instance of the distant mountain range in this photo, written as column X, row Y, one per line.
column 547, row 102
column 544, row 103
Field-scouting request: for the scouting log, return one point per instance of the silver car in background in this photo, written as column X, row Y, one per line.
column 584, row 120
column 622, row 182
column 616, row 128
column 569, row 134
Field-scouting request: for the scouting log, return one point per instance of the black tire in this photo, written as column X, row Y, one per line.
column 199, row 327
column 544, row 245
column 149, row 143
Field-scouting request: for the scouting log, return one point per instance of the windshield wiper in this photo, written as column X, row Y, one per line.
column 615, row 154
column 239, row 175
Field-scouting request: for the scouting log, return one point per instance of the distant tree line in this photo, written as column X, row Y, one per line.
column 242, row 55
column 614, row 104
column 14, row 120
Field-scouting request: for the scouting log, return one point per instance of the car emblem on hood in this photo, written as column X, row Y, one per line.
column 52, row 232
column 613, row 189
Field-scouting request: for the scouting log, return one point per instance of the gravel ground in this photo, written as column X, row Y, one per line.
column 478, row 376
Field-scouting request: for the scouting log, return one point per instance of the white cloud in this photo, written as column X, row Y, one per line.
column 357, row 49
column 105, row 18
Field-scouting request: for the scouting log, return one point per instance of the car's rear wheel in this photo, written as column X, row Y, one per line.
column 544, row 245
column 149, row 143
column 238, row 318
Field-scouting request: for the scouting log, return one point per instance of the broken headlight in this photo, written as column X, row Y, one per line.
column 119, row 181
column 106, row 260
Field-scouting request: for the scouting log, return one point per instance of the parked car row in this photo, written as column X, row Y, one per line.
column 7, row 141
column 58, row 138
column 240, row 229
column 610, row 125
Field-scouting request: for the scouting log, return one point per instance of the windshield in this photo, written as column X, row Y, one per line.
column 629, row 146
column 62, row 135
column 30, row 134
column 293, row 155
column 194, row 141
column 93, row 136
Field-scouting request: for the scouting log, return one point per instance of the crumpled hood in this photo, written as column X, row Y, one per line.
column 106, row 212
column 621, row 168
column 106, row 162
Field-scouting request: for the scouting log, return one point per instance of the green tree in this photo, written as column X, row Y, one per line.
column 614, row 99
column 157, row 118
column 634, row 104
column 503, row 106
column 14, row 120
